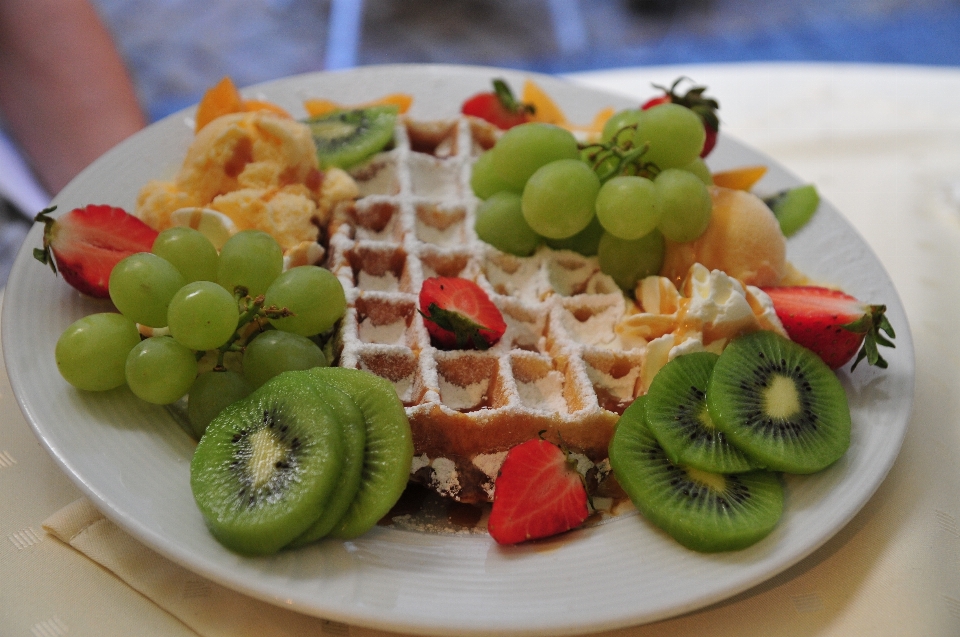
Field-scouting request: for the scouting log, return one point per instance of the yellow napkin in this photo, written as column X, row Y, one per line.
column 206, row 607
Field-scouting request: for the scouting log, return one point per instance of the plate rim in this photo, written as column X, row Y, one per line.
column 223, row 575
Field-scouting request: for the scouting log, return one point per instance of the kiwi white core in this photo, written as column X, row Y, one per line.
column 705, row 419
column 334, row 130
column 714, row 481
column 267, row 452
column 780, row 398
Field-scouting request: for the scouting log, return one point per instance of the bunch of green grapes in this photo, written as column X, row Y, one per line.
column 619, row 199
column 200, row 304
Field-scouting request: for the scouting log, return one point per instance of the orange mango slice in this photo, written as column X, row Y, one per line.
column 263, row 105
column 548, row 111
column 223, row 98
column 545, row 109
column 318, row 106
column 743, row 178
column 220, row 99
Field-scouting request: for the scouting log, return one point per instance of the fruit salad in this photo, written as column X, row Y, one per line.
column 224, row 307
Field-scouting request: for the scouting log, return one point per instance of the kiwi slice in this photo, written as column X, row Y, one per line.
column 794, row 207
column 678, row 417
column 703, row 511
column 389, row 447
column 345, row 138
column 780, row 403
column 267, row 465
column 354, row 439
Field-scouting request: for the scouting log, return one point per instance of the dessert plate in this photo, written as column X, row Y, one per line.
column 132, row 460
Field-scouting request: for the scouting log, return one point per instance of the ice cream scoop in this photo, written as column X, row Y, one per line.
column 257, row 168
column 743, row 239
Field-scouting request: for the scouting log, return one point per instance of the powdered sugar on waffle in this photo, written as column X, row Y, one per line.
column 560, row 367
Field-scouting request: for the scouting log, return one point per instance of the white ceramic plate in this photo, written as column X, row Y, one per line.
column 132, row 460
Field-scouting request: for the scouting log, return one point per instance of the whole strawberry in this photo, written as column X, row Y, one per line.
column 694, row 99
column 458, row 314
column 498, row 107
column 538, row 493
column 85, row 244
column 833, row 324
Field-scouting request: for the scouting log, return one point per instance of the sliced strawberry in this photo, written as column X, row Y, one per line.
column 833, row 324
column 85, row 244
column 656, row 101
column 458, row 314
column 694, row 99
column 499, row 107
column 538, row 493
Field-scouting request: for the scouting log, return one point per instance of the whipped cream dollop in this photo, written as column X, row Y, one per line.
column 708, row 310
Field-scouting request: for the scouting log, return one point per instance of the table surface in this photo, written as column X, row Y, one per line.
column 881, row 143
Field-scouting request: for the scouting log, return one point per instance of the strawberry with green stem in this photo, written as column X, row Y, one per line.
column 498, row 107
column 833, row 324
column 694, row 99
column 458, row 314
column 84, row 244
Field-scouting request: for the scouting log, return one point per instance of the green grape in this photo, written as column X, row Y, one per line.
column 274, row 352
column 141, row 287
column 627, row 207
column 629, row 261
column 675, row 134
column 160, row 370
column 210, row 393
column 251, row 259
column 699, row 168
column 619, row 121
column 499, row 222
column 484, row 180
column 91, row 354
column 685, row 205
column 202, row 315
column 558, row 200
column 525, row 148
column 189, row 251
column 314, row 296
column 584, row 242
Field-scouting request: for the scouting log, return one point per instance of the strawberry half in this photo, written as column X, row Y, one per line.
column 85, row 244
column 538, row 493
column 835, row 325
column 694, row 99
column 499, row 107
column 458, row 314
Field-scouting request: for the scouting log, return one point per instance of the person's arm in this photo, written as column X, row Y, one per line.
column 65, row 94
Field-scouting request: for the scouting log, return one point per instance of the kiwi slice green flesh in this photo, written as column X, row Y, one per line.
column 780, row 403
column 345, row 138
column 267, row 465
column 678, row 417
column 389, row 447
column 703, row 511
column 354, row 439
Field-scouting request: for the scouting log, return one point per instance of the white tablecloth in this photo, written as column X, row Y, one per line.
column 883, row 145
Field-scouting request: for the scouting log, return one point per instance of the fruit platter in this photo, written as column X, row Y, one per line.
column 561, row 368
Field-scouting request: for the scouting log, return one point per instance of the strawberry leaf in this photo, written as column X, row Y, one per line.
column 44, row 255
column 695, row 100
column 464, row 330
column 884, row 325
column 873, row 325
column 508, row 101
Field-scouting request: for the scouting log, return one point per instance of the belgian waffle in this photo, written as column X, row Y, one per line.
column 560, row 368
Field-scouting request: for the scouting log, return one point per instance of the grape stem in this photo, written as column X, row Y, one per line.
column 252, row 310
column 620, row 156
